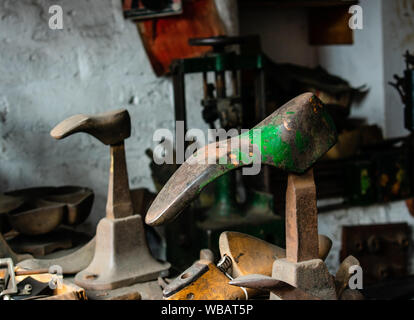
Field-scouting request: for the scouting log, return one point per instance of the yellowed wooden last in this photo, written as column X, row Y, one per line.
column 249, row 255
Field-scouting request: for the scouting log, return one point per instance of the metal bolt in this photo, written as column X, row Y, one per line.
column 225, row 263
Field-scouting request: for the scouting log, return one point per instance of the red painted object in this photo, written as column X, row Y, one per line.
column 166, row 39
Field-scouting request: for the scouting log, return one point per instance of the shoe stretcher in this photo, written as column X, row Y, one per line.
column 293, row 138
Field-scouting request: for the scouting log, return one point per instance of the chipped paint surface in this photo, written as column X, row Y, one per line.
column 275, row 143
column 273, row 148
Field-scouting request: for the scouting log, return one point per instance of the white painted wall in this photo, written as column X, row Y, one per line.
column 362, row 63
column 96, row 63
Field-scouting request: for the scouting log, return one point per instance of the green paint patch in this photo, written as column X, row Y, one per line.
column 268, row 139
column 272, row 147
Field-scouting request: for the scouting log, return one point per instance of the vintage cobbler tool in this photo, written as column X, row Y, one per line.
column 204, row 280
column 227, row 203
column 71, row 263
column 78, row 260
column 292, row 139
column 301, row 269
column 284, row 290
column 240, row 254
column 245, row 250
column 121, row 255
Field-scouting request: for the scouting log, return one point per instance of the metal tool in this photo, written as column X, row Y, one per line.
column 71, row 263
column 121, row 255
column 245, row 250
column 240, row 254
column 292, row 139
column 301, row 274
column 80, row 259
column 228, row 56
column 301, row 268
column 204, row 280
column 279, row 288
column 301, row 218
column 287, row 292
column 27, row 289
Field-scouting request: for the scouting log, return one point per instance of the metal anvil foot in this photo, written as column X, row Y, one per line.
column 301, row 275
column 301, row 268
column 70, row 264
column 122, row 257
column 311, row 276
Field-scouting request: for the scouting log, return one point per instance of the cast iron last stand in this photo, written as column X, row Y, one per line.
column 293, row 138
column 122, row 256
